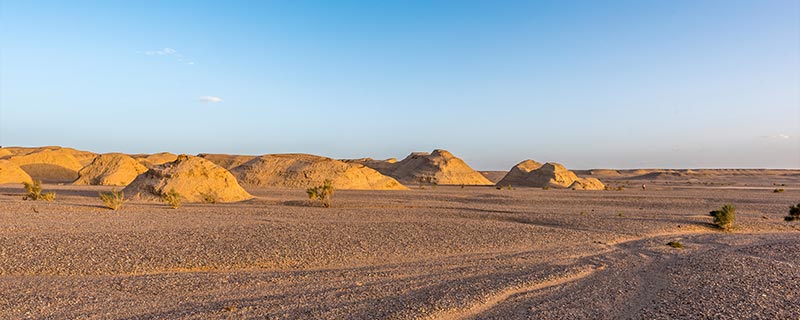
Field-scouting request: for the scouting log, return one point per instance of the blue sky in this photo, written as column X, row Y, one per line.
column 590, row 84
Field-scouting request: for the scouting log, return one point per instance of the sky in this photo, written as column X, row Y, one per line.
column 589, row 84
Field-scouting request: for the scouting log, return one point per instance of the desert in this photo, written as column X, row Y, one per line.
column 399, row 160
column 426, row 251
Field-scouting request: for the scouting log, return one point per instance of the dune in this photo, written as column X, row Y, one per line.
column 83, row 157
column 226, row 161
column 55, row 166
column 440, row 167
column 194, row 178
column 5, row 153
column 152, row 160
column 11, row 173
column 112, row 169
column 304, row 170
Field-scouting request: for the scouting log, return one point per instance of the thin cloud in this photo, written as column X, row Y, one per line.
column 210, row 99
column 777, row 136
column 169, row 52
column 162, row 52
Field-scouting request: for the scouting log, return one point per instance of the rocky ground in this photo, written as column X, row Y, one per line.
column 436, row 253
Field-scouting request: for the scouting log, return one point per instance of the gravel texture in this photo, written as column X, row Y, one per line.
column 436, row 253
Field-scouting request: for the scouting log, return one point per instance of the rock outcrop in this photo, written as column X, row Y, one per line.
column 530, row 173
column 111, row 169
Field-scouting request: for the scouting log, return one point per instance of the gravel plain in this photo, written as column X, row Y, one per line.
column 433, row 253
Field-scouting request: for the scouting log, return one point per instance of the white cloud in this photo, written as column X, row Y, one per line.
column 169, row 52
column 210, row 99
column 162, row 52
column 778, row 136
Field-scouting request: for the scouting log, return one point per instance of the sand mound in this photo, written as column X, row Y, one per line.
column 604, row 173
column 190, row 176
column 49, row 165
column 550, row 174
column 152, row 160
column 587, row 184
column 5, row 153
column 226, row 161
column 112, row 169
column 11, row 173
column 83, row 157
column 519, row 172
column 303, row 171
column 440, row 167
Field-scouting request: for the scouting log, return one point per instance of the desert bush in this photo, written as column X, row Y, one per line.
column 210, row 197
column 34, row 192
column 724, row 217
column 778, row 190
column 172, row 198
column 322, row 193
column 675, row 244
column 794, row 213
column 546, row 188
column 113, row 199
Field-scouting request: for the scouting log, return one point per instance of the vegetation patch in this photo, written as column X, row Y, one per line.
column 724, row 217
column 323, row 193
column 113, row 199
column 675, row 244
column 794, row 213
column 172, row 198
column 33, row 191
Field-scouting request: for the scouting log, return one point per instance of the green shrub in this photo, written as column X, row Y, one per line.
column 172, row 198
column 794, row 213
column 113, row 200
column 322, row 193
column 724, row 217
column 778, row 190
column 34, row 192
column 210, row 197
column 675, row 244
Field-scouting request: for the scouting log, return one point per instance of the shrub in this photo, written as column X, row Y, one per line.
column 778, row 190
column 34, row 192
column 724, row 217
column 172, row 198
column 322, row 193
column 675, row 244
column 210, row 197
column 794, row 213
column 546, row 188
column 113, row 200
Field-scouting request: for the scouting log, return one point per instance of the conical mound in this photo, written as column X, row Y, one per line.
column 49, row 165
column 304, row 171
column 112, row 169
column 194, row 178
column 519, row 173
column 11, row 173
column 550, row 174
column 227, row 161
column 587, row 184
column 440, row 167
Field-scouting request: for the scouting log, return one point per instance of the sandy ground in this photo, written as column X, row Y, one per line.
column 434, row 253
